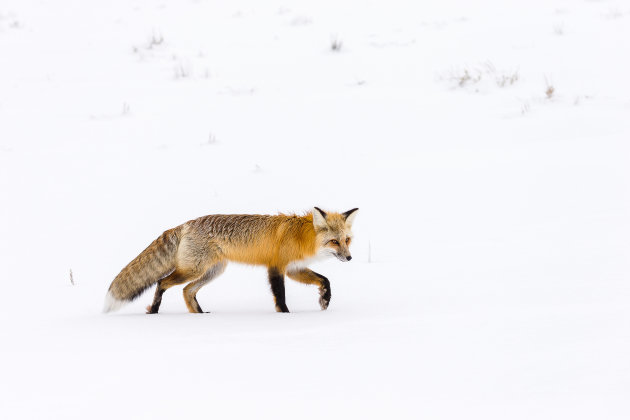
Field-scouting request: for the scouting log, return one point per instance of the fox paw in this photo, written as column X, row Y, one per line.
column 323, row 304
column 324, row 298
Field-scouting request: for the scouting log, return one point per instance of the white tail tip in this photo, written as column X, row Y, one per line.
column 111, row 303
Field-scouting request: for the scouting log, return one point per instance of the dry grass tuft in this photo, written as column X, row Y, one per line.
column 180, row 71
column 336, row 44
column 549, row 90
column 471, row 76
column 155, row 40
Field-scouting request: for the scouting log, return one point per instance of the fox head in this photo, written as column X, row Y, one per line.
column 334, row 232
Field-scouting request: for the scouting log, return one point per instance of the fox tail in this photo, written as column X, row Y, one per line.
column 154, row 263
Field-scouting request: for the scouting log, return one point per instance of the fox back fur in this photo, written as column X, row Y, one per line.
column 198, row 251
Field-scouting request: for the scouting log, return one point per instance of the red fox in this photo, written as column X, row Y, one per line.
column 198, row 251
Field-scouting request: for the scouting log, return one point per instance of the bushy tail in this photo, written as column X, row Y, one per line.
column 155, row 262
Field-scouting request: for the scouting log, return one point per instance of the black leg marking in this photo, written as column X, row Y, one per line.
column 324, row 291
column 157, row 299
column 276, row 280
column 198, row 307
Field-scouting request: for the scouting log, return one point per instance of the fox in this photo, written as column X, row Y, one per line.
column 199, row 250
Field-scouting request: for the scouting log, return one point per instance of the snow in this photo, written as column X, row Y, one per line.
column 489, row 277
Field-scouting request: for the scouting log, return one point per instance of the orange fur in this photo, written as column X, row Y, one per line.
column 288, row 239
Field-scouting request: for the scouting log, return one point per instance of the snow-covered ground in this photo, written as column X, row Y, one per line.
column 486, row 144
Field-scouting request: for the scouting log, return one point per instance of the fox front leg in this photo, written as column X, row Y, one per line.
column 276, row 281
column 324, row 291
column 308, row 276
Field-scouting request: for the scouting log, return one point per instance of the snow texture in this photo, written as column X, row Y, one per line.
column 485, row 143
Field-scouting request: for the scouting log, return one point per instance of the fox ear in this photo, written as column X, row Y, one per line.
column 319, row 218
column 349, row 216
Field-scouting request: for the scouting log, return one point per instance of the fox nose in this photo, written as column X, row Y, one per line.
column 349, row 257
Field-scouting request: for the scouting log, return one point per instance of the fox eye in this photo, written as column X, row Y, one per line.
column 334, row 242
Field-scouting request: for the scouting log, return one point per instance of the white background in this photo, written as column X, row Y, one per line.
column 490, row 270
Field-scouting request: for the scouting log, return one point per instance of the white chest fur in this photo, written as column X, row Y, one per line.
column 300, row 264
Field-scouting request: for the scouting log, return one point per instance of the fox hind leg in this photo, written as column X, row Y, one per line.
column 163, row 285
column 307, row 276
column 191, row 289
